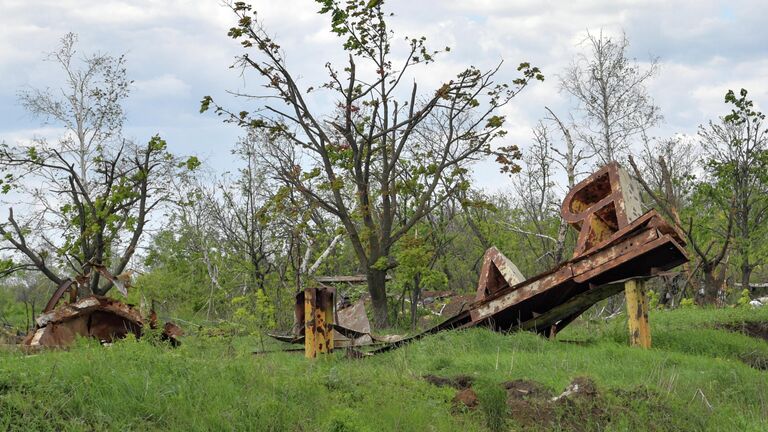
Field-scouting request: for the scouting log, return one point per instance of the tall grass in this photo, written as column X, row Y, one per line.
column 693, row 379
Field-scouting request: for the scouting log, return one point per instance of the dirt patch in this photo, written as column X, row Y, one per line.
column 755, row 329
column 529, row 403
column 465, row 398
column 755, row 359
column 459, row 382
column 579, row 407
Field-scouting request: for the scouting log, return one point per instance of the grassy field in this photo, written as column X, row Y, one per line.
column 697, row 377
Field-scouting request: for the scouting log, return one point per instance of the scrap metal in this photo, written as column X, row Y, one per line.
column 617, row 243
column 103, row 318
column 98, row 317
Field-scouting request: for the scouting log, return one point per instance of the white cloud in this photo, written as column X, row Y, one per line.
column 178, row 51
column 162, row 86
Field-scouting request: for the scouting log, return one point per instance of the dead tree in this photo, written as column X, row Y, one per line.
column 610, row 91
column 93, row 191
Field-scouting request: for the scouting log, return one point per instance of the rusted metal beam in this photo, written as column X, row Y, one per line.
column 318, row 321
column 638, row 250
column 637, row 313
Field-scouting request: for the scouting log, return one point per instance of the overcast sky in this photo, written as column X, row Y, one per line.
column 177, row 52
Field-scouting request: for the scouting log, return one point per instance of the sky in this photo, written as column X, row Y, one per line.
column 178, row 51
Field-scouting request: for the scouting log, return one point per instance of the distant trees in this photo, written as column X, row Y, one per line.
column 382, row 142
column 725, row 209
column 535, row 194
column 612, row 101
column 92, row 191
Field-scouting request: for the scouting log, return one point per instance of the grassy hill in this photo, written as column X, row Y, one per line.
column 698, row 376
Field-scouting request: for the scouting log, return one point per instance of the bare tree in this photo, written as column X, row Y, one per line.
column 359, row 153
column 534, row 189
column 88, row 105
column 612, row 100
column 570, row 158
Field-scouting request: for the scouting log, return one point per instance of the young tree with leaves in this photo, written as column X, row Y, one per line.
column 736, row 151
column 354, row 159
column 92, row 191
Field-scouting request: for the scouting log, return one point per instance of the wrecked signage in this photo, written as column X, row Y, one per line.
column 98, row 317
column 616, row 243
column 103, row 318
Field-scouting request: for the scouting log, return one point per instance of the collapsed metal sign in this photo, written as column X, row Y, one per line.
column 103, row 318
column 617, row 242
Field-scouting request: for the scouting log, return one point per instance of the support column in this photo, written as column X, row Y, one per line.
column 318, row 321
column 637, row 313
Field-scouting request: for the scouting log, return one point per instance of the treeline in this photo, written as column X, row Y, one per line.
column 379, row 185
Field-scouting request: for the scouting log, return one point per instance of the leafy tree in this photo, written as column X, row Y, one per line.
column 736, row 151
column 417, row 271
column 381, row 140
column 93, row 192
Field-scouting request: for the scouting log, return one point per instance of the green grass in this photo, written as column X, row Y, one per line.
column 217, row 384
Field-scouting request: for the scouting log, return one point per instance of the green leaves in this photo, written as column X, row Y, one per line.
column 192, row 163
column 32, row 154
column 205, row 104
column 361, row 22
column 157, row 144
column 495, row 122
column 743, row 111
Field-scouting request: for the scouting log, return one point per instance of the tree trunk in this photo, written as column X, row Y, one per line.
column 711, row 285
column 746, row 275
column 378, row 289
column 415, row 295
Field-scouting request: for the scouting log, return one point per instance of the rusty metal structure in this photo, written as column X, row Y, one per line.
column 317, row 319
column 618, row 247
column 98, row 317
column 618, row 244
column 103, row 318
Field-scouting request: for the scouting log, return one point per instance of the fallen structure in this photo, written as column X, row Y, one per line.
column 618, row 247
column 321, row 325
column 102, row 318
column 97, row 317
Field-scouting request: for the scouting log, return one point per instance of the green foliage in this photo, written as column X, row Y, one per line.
column 416, row 257
column 744, row 298
column 653, row 299
column 687, row 303
column 253, row 312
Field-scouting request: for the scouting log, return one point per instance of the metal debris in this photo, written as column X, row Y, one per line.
column 351, row 327
column 616, row 243
column 98, row 317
